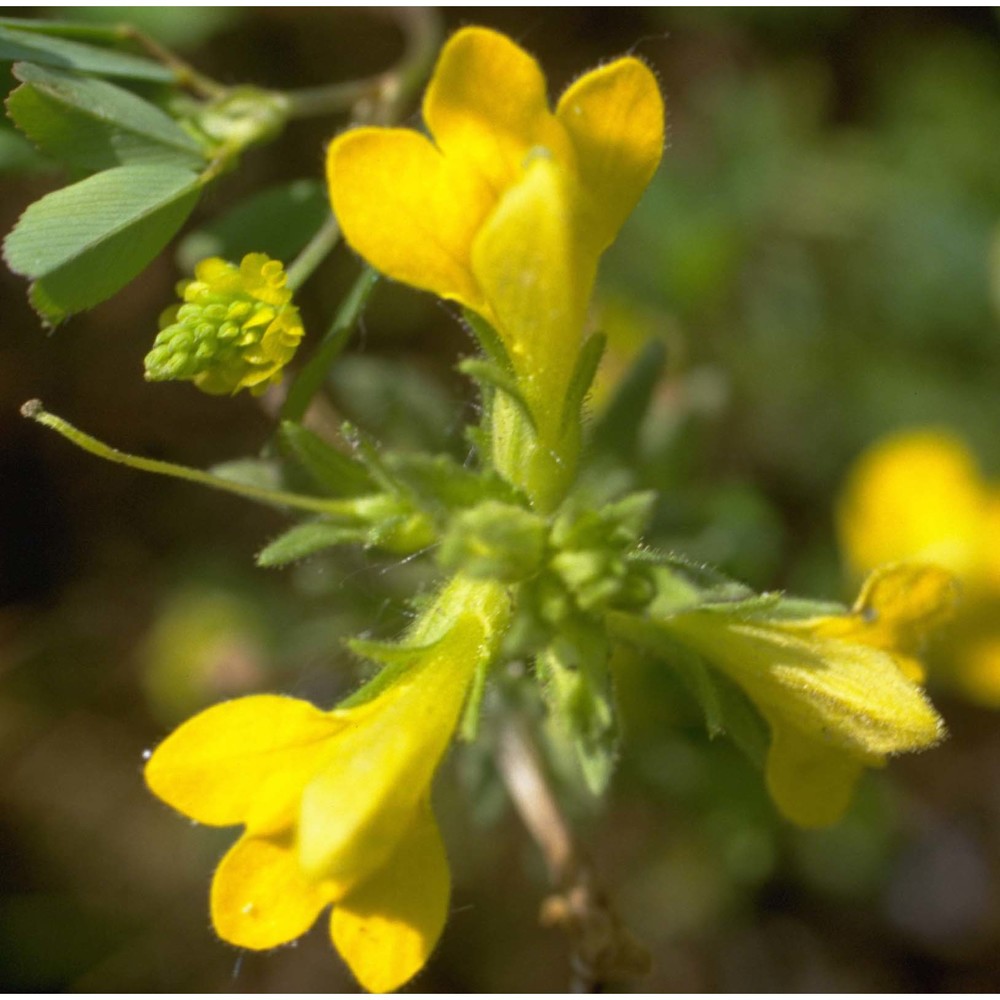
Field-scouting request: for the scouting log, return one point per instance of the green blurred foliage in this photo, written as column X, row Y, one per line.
column 818, row 255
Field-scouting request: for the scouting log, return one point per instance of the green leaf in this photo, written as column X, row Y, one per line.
column 21, row 42
column 438, row 481
column 81, row 244
column 616, row 430
column 278, row 222
column 17, row 155
column 331, row 469
column 576, row 686
column 93, row 124
column 256, row 472
column 306, row 540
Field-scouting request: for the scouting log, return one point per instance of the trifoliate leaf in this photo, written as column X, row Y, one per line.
column 93, row 124
column 20, row 40
column 81, row 244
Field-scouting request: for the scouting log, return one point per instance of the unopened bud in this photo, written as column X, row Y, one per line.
column 236, row 328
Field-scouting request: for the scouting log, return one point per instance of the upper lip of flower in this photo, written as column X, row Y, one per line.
column 505, row 184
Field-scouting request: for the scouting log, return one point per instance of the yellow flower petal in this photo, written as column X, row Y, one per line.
column 387, row 927
column 355, row 811
column 834, row 700
column 486, row 107
column 810, row 783
column 537, row 280
column 897, row 609
column 615, row 118
column 242, row 761
column 260, row 898
column 915, row 495
column 843, row 693
column 978, row 670
column 407, row 210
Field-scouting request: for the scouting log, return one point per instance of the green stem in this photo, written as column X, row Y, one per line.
column 35, row 411
column 386, row 91
column 312, row 375
column 313, row 254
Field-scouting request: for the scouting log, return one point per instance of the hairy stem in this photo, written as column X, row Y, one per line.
column 34, row 410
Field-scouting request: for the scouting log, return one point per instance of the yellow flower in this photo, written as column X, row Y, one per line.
column 336, row 805
column 920, row 495
column 236, row 328
column 508, row 206
column 836, row 691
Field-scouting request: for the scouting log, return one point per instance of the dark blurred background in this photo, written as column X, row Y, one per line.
column 819, row 253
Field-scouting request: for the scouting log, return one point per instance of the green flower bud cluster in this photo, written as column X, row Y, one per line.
column 576, row 563
column 235, row 329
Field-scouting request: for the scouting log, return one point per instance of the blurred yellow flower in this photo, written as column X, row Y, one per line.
column 508, row 206
column 919, row 495
column 336, row 805
column 236, row 329
column 836, row 691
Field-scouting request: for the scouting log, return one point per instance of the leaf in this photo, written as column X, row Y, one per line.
column 278, row 222
column 439, row 481
column 306, row 540
column 17, row 155
column 256, row 472
column 577, row 690
column 19, row 42
column 616, row 430
column 81, row 244
column 93, row 124
column 331, row 469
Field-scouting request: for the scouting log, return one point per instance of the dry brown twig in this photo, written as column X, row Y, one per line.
column 602, row 949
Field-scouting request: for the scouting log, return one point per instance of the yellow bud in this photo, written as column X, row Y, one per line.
column 236, row 328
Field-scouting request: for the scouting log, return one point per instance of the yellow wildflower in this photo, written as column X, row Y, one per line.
column 507, row 207
column 919, row 495
column 834, row 690
column 236, row 329
column 336, row 805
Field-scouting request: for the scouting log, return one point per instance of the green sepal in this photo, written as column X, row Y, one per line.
column 332, row 470
column 489, row 340
column 615, row 430
column 491, row 377
column 468, row 727
column 394, row 659
column 587, row 364
column 94, row 125
column 81, row 244
column 307, row 539
column 726, row 709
